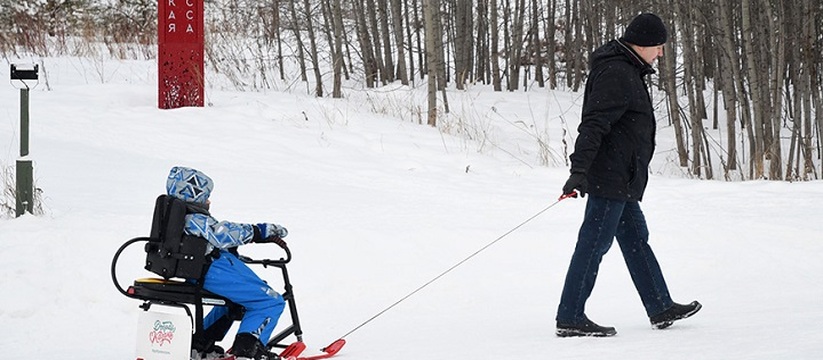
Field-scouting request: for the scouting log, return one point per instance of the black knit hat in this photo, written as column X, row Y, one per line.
column 646, row 30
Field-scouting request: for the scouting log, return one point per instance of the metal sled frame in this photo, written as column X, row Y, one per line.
column 181, row 294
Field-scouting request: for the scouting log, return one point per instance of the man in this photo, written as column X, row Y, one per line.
column 611, row 163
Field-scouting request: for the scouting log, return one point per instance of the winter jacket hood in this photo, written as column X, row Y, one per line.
column 189, row 185
column 617, row 129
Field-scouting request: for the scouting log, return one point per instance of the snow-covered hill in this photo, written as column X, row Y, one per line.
column 377, row 205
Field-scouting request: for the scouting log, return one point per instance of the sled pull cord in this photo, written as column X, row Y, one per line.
column 566, row 196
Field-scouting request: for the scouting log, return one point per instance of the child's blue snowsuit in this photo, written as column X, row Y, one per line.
column 228, row 276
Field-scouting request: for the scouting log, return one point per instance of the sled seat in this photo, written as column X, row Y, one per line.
column 175, row 291
column 178, row 293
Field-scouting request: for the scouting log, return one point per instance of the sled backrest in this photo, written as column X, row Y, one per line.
column 169, row 252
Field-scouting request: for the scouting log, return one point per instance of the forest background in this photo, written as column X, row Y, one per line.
column 740, row 82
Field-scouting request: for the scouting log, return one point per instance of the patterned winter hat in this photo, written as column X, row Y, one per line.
column 646, row 30
column 189, row 185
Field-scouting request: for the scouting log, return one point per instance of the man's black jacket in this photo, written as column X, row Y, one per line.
column 616, row 134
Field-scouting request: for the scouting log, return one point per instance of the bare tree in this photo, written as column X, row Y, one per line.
column 318, row 86
column 367, row 54
column 337, row 21
column 429, row 10
column 668, row 69
column 729, row 65
column 754, row 75
column 516, row 43
column 495, row 48
column 295, row 24
column 482, row 57
column 383, row 19
column 463, row 42
column 551, row 32
column 397, row 22
column 537, row 44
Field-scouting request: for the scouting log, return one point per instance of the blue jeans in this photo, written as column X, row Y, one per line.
column 232, row 279
column 605, row 220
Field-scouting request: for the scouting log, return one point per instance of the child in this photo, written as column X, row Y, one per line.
column 227, row 276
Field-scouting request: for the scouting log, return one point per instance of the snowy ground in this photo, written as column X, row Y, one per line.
column 377, row 206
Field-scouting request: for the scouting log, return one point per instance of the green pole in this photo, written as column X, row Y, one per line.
column 25, row 178
column 24, row 122
column 25, row 189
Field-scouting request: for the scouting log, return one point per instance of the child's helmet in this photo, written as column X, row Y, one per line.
column 189, row 185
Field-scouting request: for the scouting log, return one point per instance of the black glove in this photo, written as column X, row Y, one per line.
column 576, row 181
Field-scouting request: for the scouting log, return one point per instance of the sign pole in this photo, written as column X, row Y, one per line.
column 180, row 48
column 24, row 169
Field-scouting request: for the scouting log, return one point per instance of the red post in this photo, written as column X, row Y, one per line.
column 180, row 53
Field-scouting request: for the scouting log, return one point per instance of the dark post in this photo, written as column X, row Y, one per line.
column 24, row 122
column 24, row 169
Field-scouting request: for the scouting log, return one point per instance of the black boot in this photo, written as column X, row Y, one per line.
column 674, row 313
column 200, row 343
column 206, row 349
column 247, row 346
column 586, row 328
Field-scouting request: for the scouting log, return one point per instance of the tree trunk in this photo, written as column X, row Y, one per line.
column 568, row 47
column 337, row 21
column 418, row 28
column 463, row 37
column 495, row 49
column 301, row 58
column 551, row 32
column 778, row 48
column 729, row 70
column 689, row 74
column 397, row 21
column 431, row 33
column 537, row 45
column 578, row 55
column 516, row 48
column 812, row 86
column 380, row 65
column 383, row 11
column 318, row 88
column 755, row 83
column 439, row 50
column 277, row 24
column 669, row 64
column 482, row 70
column 366, row 51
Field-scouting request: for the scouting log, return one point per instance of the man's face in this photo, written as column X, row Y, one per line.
column 649, row 53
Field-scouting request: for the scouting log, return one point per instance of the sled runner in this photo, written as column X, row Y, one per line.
column 178, row 259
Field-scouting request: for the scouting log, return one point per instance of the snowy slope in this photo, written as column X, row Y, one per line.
column 376, row 206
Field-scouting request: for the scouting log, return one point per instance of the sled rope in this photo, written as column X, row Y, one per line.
column 461, row 262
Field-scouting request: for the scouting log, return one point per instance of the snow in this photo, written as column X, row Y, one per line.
column 378, row 205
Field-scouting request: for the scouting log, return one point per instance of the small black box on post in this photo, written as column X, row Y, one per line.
column 24, row 72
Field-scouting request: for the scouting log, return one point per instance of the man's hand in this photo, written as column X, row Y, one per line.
column 577, row 181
